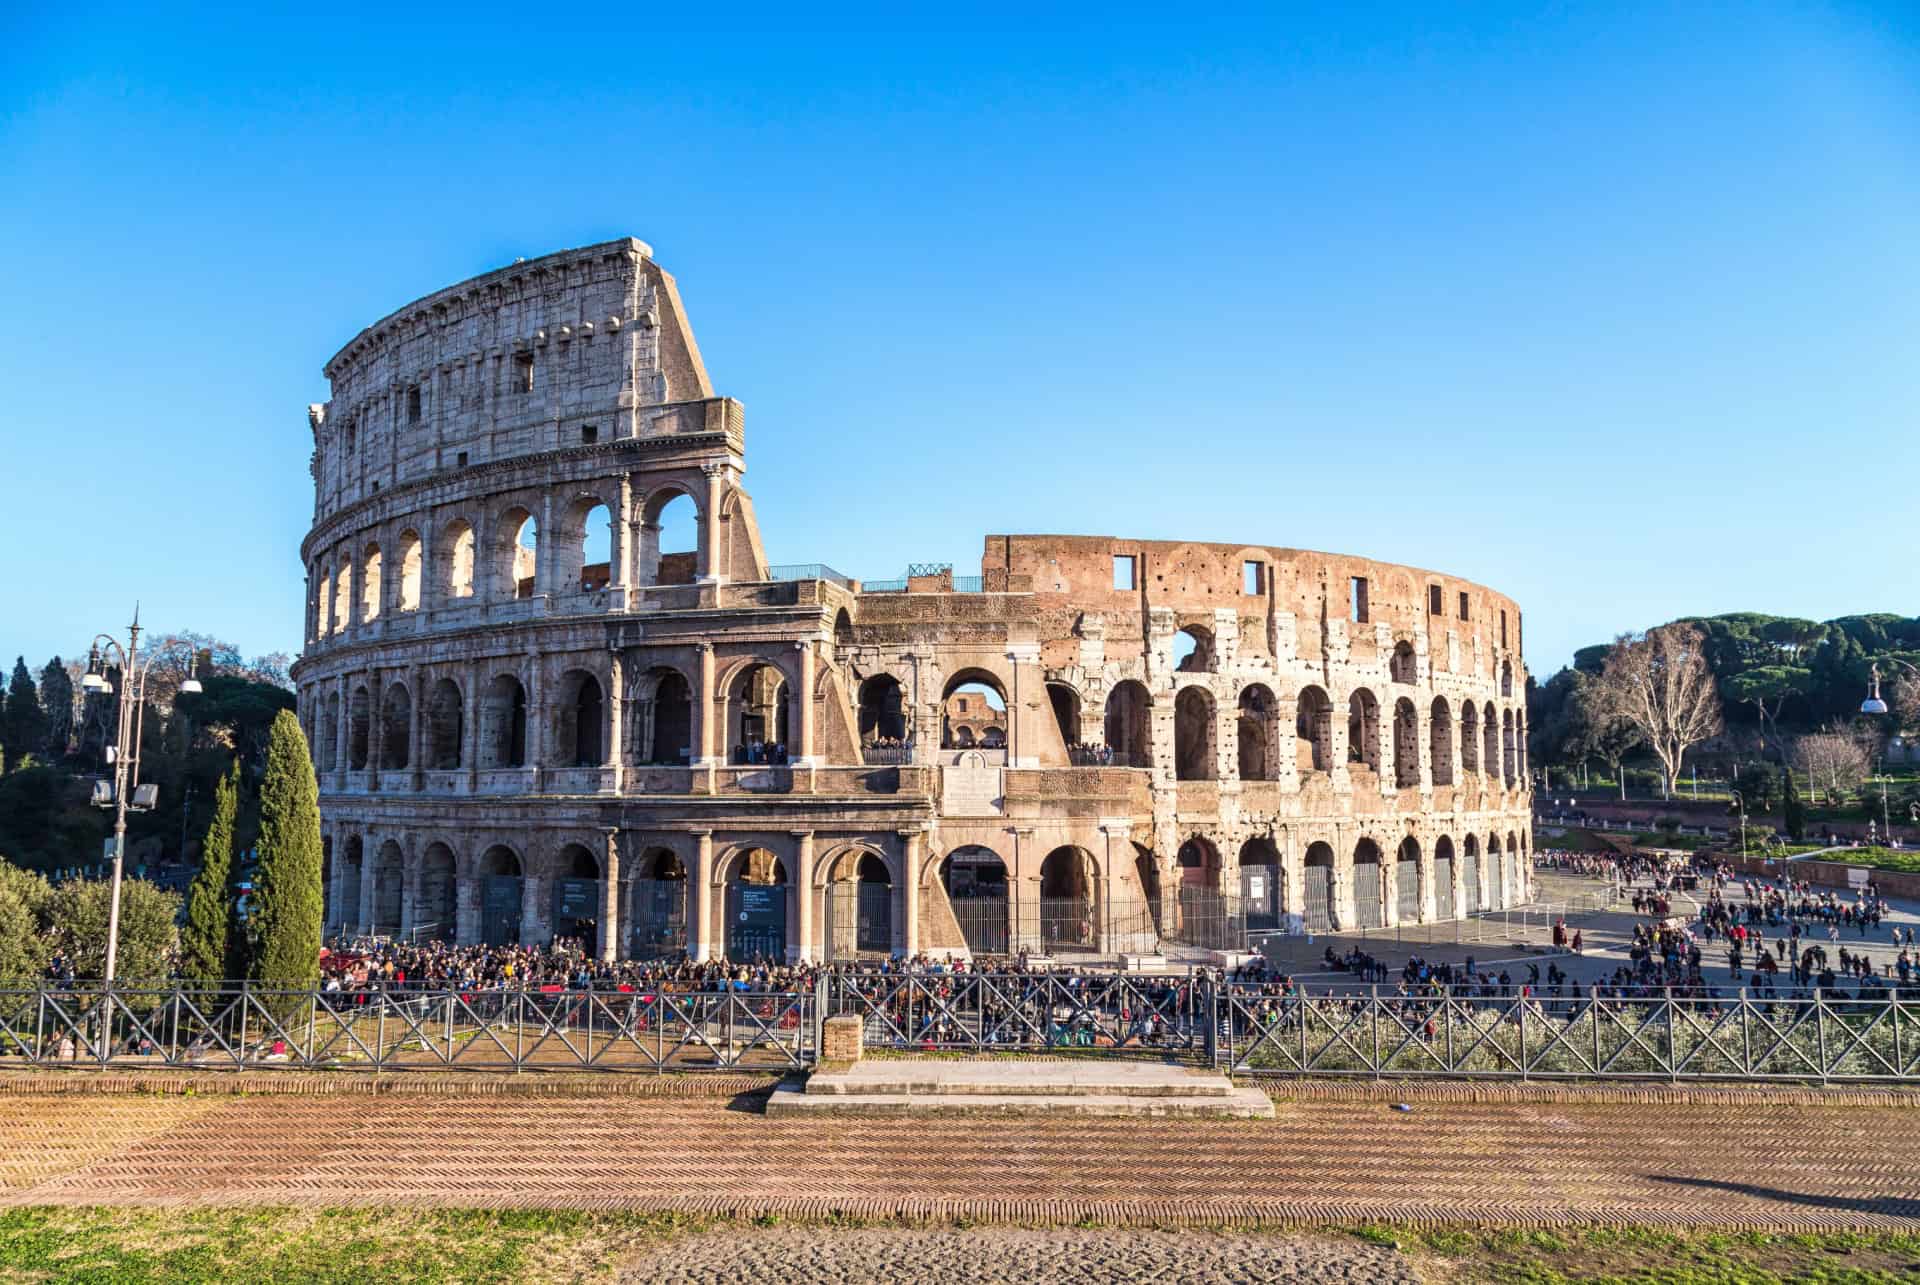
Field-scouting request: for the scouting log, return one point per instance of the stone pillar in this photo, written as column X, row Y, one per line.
column 470, row 729
column 802, row 950
column 1019, row 905
column 467, row 891
column 536, row 907
column 369, row 876
column 376, row 729
column 700, row 931
column 610, row 896
column 1020, row 740
column 417, row 738
column 543, row 554
column 536, row 722
column 616, row 747
column 409, row 894
column 621, row 572
column 343, row 726
column 705, row 742
column 1113, row 862
column 803, row 702
column 913, row 845
column 710, row 523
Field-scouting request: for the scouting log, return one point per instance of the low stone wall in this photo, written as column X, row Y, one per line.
column 1832, row 874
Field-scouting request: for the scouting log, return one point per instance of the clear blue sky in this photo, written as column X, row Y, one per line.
column 1613, row 307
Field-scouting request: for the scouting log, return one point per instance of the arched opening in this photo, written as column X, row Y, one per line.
column 1406, row 745
column 1256, row 732
column 456, row 558
column 359, row 728
column 433, row 911
column 343, row 594
column 327, row 738
column 1490, row 730
column 1193, row 735
column 389, row 869
column 1260, row 887
column 1313, row 732
column 1401, row 667
column 1406, row 882
column 503, row 723
column 1065, row 702
column 1469, row 738
column 757, row 715
column 500, row 889
column 1316, row 893
column 1067, row 901
column 1207, row 916
column 322, row 602
column 659, row 904
column 757, row 907
column 1363, row 731
column 1506, row 680
column 976, row 882
column 516, row 555
column 589, row 546
column 883, row 721
column 352, row 868
column 1509, row 755
column 963, row 738
column 1193, row 650
column 1516, row 873
column 666, row 720
column 1199, row 863
column 576, row 898
column 1443, row 902
column 973, row 698
column 1369, row 905
column 1147, row 871
column 1470, row 875
column 396, row 727
column 579, row 721
column 669, row 550
column 409, row 595
column 1497, row 873
column 446, row 725
column 370, row 583
column 1440, row 741
column 859, row 907
column 1128, row 730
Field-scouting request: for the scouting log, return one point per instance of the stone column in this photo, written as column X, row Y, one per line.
column 803, row 704
column 610, row 898
column 1117, row 832
column 417, row 738
column 802, row 950
column 700, row 931
column 470, row 729
column 543, row 571
column 1019, row 879
column 913, row 846
column 343, row 725
column 710, row 523
column 409, row 893
column 705, row 742
column 536, row 908
column 621, row 572
column 536, row 722
column 1019, row 739
column 616, row 747
column 369, row 876
column 376, row 728
column 467, row 891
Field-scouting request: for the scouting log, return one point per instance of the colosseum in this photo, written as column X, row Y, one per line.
column 530, row 718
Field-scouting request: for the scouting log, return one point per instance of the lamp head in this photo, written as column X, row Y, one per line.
column 1873, row 705
column 191, row 687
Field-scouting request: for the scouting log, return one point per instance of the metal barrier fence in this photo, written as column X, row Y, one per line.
column 407, row 1029
column 1745, row 1037
column 1110, row 1013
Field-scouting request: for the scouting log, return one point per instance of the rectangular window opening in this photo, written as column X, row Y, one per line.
column 1359, row 600
column 1463, row 606
column 589, row 433
column 1123, row 571
column 1253, row 577
column 460, row 460
column 413, row 404
column 1436, row 602
column 523, row 372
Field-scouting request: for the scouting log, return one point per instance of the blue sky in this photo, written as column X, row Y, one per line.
column 1613, row 307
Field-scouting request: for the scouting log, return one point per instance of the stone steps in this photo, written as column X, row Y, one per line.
column 1010, row 1086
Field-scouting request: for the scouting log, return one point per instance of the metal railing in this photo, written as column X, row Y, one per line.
column 808, row 571
column 1113, row 1013
column 407, row 1029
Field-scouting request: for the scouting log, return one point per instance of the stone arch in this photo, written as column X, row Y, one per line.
column 327, row 731
column 1318, row 902
column 757, row 893
column 1506, row 680
column 1193, row 734
column 990, row 689
column 446, row 725
column 352, row 872
column 576, row 896
column 1406, row 745
column 1064, row 699
column 976, row 881
column 343, row 592
column 322, row 600
column 502, row 877
column 658, row 919
column 1440, row 741
column 455, row 558
column 579, row 720
column 396, row 727
column 1129, row 724
column 370, row 588
column 661, row 566
column 1198, row 861
column 1257, row 730
column 1406, row 882
column 1069, row 899
column 359, row 727
column 1469, row 737
column 503, row 723
column 1401, row 666
column 389, row 874
column 1262, row 885
column 586, row 545
column 514, row 561
column 435, row 906
column 407, row 595
column 663, row 717
column 1369, row 892
column 1443, row 878
column 858, row 883
column 882, row 710
column 1363, row 729
column 758, row 700
column 1313, row 731
column 1490, row 748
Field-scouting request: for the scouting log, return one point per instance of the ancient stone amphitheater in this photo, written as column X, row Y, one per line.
column 530, row 719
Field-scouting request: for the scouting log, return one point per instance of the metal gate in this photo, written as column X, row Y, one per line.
column 501, row 919
column 1366, row 894
column 1443, row 888
column 1067, row 923
column 1472, row 882
column 1499, row 879
column 859, row 919
column 1260, row 896
column 1406, row 899
column 983, row 923
column 1317, row 896
column 659, row 916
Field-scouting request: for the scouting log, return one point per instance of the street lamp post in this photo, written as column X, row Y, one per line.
column 1876, row 704
column 126, row 773
column 1741, row 802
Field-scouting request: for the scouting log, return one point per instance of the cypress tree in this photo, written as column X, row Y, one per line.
column 26, row 722
column 1796, row 811
column 287, row 896
column 208, row 943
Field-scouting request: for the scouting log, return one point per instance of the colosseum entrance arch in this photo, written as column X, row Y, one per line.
column 1317, row 899
column 433, row 911
column 976, row 882
column 1260, row 885
column 1406, row 881
column 1470, row 875
column 1369, row 908
column 1068, row 901
column 757, row 894
column 503, row 723
column 501, row 884
column 576, row 898
column 352, row 870
column 859, row 907
column 659, row 916
column 1443, row 878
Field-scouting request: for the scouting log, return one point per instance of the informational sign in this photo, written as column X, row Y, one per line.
column 1857, row 876
column 763, row 906
column 576, row 898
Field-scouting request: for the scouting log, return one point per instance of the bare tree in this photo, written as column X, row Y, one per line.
column 1660, row 684
column 1836, row 761
column 1906, row 702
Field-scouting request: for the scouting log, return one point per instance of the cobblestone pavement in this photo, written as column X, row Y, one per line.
column 1516, row 1162
column 989, row 1256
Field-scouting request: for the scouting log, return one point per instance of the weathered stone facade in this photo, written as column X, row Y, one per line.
column 663, row 750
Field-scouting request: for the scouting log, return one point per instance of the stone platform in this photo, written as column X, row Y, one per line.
column 1019, row 1087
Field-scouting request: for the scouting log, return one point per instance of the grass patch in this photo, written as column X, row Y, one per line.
column 1627, row 1254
